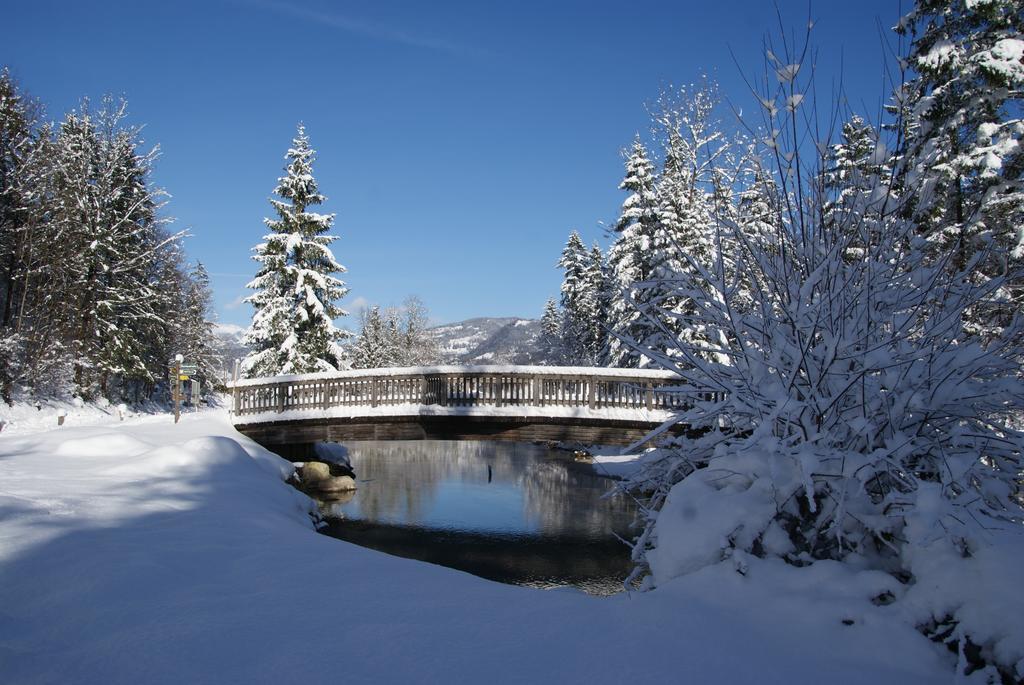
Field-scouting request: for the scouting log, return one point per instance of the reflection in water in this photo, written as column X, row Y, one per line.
column 511, row 512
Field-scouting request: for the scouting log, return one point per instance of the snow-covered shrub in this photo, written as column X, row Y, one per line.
column 843, row 410
column 851, row 414
column 846, row 406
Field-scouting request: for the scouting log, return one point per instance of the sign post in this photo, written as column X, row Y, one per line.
column 176, row 387
column 180, row 372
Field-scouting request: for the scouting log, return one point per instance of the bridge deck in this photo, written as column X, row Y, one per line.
column 610, row 406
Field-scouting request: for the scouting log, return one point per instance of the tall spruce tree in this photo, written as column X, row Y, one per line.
column 581, row 293
column 630, row 257
column 18, row 115
column 599, row 285
column 196, row 340
column 18, row 119
column 857, row 163
column 551, row 350
column 105, row 217
column 696, row 193
column 966, row 138
column 296, row 288
column 376, row 345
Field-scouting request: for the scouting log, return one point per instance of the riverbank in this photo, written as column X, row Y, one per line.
column 148, row 552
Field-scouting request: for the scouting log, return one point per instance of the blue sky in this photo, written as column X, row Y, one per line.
column 459, row 142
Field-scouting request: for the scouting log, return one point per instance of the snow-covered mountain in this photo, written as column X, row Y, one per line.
column 229, row 337
column 484, row 340
column 489, row 340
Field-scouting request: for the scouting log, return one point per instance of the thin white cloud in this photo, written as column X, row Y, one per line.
column 357, row 304
column 235, row 303
column 363, row 27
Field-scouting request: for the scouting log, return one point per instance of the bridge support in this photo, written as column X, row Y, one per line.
column 296, row 451
column 292, row 435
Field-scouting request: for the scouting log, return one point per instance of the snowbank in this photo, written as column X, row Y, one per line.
column 981, row 593
column 33, row 417
column 619, row 465
column 710, row 516
column 177, row 554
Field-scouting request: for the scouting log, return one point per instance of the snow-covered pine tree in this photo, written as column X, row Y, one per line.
column 18, row 115
column 393, row 336
column 551, row 353
column 54, row 244
column 18, row 119
column 599, row 285
column 629, row 257
column 126, row 307
column 966, row 146
column 197, row 341
column 375, row 347
column 688, row 189
column 756, row 213
column 90, row 281
column 396, row 336
column 296, row 288
column 855, row 164
column 580, row 303
column 50, row 251
column 104, row 218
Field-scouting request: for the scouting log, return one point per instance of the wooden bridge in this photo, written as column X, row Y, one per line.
column 518, row 403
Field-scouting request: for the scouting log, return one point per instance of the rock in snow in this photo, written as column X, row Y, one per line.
column 312, row 472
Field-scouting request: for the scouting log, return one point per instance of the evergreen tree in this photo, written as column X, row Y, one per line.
column 375, row 347
column 689, row 189
column 629, row 257
column 127, row 297
column 105, row 219
column 580, row 303
column 170, row 281
column 296, row 295
column 196, row 340
column 855, row 165
column 965, row 149
column 18, row 115
column 17, row 120
column 599, row 285
column 757, row 216
column 551, row 351
column 92, row 290
column 398, row 336
column 393, row 336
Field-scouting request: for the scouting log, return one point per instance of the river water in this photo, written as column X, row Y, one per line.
column 511, row 512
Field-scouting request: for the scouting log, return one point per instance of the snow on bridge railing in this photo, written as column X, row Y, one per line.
column 465, row 386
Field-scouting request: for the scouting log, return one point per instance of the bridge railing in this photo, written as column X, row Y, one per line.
column 464, row 387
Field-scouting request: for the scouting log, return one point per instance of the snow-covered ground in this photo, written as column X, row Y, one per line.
column 33, row 417
column 145, row 551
